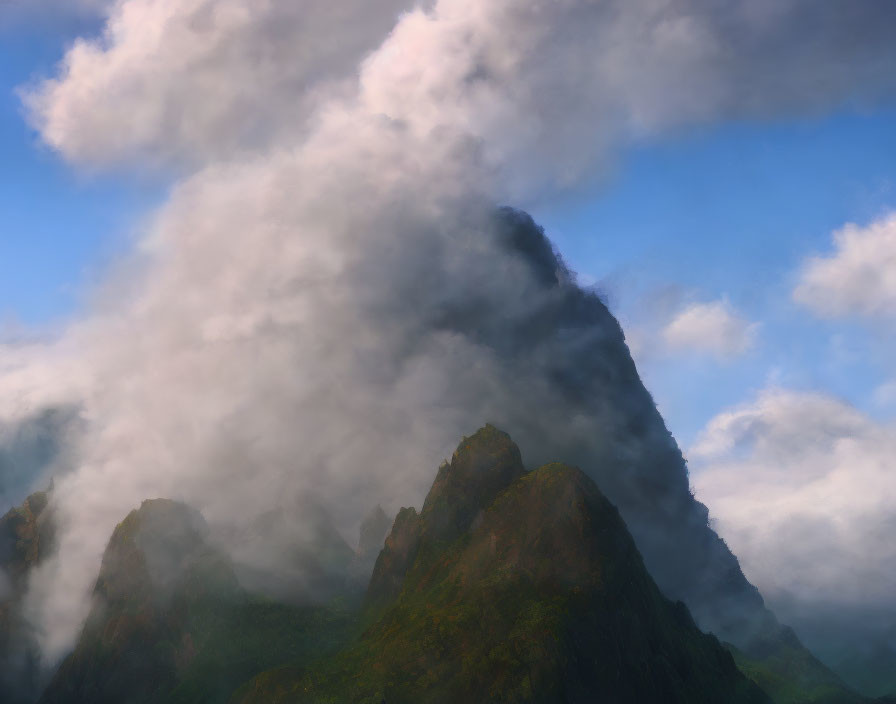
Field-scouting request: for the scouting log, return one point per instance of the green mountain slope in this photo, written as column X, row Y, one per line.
column 515, row 587
column 792, row 675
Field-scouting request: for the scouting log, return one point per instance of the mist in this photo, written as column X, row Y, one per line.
column 334, row 294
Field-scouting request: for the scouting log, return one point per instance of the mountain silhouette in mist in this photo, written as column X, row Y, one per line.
column 508, row 585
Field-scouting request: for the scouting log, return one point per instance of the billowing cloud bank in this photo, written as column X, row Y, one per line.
column 329, row 300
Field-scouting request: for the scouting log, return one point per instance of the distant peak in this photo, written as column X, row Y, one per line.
column 373, row 532
column 155, row 547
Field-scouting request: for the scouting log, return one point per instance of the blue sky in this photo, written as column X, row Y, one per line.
column 728, row 213
column 732, row 213
column 58, row 228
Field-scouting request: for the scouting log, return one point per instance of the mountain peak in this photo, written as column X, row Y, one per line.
column 373, row 531
column 154, row 548
column 159, row 567
column 483, row 465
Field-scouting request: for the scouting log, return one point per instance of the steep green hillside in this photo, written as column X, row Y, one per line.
column 515, row 587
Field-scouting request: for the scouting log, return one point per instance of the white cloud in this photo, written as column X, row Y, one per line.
column 858, row 278
column 713, row 328
column 802, row 486
column 39, row 375
column 187, row 80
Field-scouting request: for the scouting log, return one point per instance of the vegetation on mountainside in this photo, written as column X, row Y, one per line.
column 793, row 676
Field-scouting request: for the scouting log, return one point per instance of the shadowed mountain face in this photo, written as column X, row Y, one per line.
column 612, row 428
column 27, row 536
column 515, row 587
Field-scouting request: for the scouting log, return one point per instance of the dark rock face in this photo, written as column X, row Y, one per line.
column 523, row 587
column 27, row 535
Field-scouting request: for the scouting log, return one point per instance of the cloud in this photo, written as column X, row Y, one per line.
column 549, row 86
column 712, row 328
column 186, row 81
column 858, row 278
column 329, row 300
column 802, row 486
column 34, row 450
column 37, row 374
